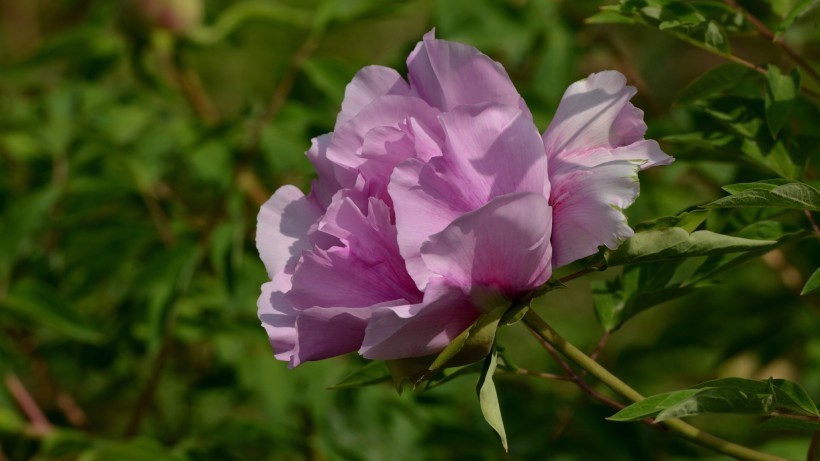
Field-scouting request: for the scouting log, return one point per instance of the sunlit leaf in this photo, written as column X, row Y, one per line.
column 782, row 91
column 651, row 406
column 813, row 283
column 793, row 195
column 799, row 10
column 676, row 242
column 488, row 398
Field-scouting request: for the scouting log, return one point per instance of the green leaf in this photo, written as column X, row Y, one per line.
column 714, row 81
column 40, row 304
column 373, row 373
column 234, row 17
column 472, row 344
column 715, row 38
column 782, row 91
column 488, row 398
column 609, row 17
column 651, row 406
column 688, row 220
column 719, row 401
column 792, row 396
column 676, row 242
column 728, row 395
column 766, row 230
column 766, row 184
column 813, row 283
column 800, row 9
column 793, row 195
column 785, row 423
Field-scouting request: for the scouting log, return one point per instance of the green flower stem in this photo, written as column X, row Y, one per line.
column 680, row 428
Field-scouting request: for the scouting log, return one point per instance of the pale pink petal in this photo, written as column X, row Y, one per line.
column 278, row 318
column 646, row 153
column 345, row 149
column 502, row 248
column 331, row 176
column 414, row 330
column 282, row 228
column 448, row 75
column 367, row 270
column 420, row 199
column 587, row 206
column 595, row 113
column 367, row 85
column 490, row 150
column 324, row 332
column 494, row 150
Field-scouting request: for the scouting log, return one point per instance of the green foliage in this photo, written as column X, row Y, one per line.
column 134, row 163
column 780, row 97
column 730, row 395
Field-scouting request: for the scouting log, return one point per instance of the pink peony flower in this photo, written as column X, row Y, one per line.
column 437, row 200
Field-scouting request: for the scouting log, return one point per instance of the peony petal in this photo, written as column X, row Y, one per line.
column 448, row 75
column 422, row 209
column 494, row 150
column 414, row 330
column 367, row 85
column 325, row 332
column 490, row 150
column 367, row 270
column 502, row 248
column 345, row 149
column 594, row 113
column 282, row 229
column 647, row 153
column 588, row 204
column 278, row 318
column 331, row 176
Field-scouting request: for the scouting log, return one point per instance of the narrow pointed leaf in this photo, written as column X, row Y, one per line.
column 488, row 398
column 813, row 283
column 792, row 396
column 799, row 10
column 651, row 406
column 781, row 94
column 793, row 195
column 719, row 401
column 676, row 242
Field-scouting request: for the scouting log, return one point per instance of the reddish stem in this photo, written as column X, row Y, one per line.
column 27, row 404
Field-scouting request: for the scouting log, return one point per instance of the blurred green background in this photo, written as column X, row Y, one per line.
column 135, row 150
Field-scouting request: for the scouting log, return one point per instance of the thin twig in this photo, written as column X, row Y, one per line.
column 762, row 71
column 538, row 374
column 678, row 427
column 575, row 377
column 158, row 217
column 769, row 35
column 27, row 404
column 812, row 221
column 146, row 395
column 283, row 89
